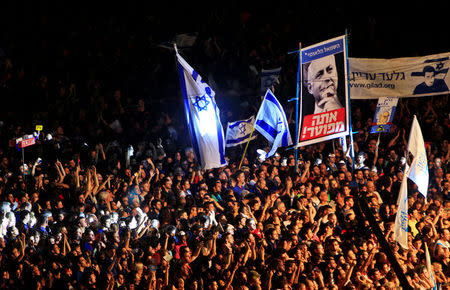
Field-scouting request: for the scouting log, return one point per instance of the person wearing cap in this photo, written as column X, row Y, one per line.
column 254, row 280
column 342, row 166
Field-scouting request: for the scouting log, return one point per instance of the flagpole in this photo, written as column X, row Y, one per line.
column 246, row 146
column 299, row 72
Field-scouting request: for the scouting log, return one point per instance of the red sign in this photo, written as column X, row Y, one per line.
column 27, row 142
column 323, row 124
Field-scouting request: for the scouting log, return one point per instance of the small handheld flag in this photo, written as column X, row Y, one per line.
column 239, row 132
column 271, row 122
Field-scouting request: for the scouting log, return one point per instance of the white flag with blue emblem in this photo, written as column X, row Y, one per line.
column 238, row 132
column 202, row 116
column 271, row 122
column 401, row 219
column 419, row 166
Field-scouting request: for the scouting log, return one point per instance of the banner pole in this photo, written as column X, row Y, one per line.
column 246, row 146
column 352, row 148
column 299, row 72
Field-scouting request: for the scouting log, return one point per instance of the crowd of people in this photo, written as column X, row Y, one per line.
column 112, row 196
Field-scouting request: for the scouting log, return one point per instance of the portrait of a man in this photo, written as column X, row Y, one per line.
column 430, row 83
column 321, row 81
column 323, row 84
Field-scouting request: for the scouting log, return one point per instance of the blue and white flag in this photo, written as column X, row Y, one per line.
column 419, row 166
column 268, row 78
column 202, row 116
column 238, row 132
column 271, row 122
column 401, row 219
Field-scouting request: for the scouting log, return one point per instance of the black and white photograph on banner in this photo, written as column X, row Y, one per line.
column 399, row 77
column 324, row 98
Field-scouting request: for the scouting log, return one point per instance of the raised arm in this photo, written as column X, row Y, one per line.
column 306, row 172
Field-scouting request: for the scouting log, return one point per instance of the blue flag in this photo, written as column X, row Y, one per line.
column 202, row 116
column 271, row 122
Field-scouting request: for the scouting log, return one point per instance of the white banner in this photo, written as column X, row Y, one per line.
column 399, row 77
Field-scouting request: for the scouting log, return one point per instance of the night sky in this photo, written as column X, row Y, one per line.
column 56, row 38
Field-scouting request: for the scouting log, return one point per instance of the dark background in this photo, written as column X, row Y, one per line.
column 116, row 44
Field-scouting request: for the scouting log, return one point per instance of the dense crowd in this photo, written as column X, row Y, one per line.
column 112, row 196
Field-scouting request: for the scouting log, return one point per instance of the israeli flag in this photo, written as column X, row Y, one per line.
column 418, row 172
column 238, row 132
column 271, row 122
column 202, row 116
column 268, row 78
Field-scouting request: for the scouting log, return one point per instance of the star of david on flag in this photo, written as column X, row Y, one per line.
column 238, row 132
column 201, row 103
column 202, row 115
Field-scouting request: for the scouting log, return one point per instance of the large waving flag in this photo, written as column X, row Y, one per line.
column 202, row 116
column 271, row 122
column 419, row 166
column 238, row 132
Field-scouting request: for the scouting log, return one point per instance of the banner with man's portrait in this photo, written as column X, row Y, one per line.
column 384, row 114
column 399, row 77
column 324, row 97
